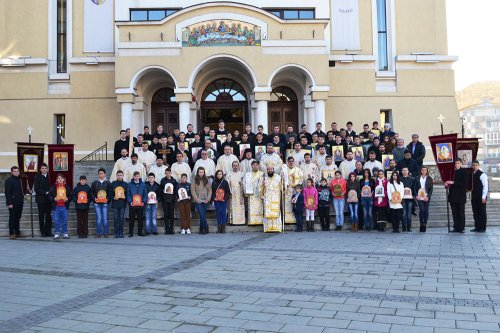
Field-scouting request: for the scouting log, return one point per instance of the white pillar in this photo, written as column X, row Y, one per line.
column 319, row 107
column 126, row 115
column 194, row 120
column 184, row 115
column 311, row 120
column 137, row 121
column 261, row 116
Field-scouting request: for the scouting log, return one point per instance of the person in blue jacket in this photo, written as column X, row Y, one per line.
column 136, row 198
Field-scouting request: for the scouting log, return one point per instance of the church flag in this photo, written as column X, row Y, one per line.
column 98, row 26
column 444, row 148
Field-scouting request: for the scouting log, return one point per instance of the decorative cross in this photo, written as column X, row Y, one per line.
column 60, row 128
column 30, row 130
column 441, row 118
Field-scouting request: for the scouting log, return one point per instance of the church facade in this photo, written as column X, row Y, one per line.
column 79, row 71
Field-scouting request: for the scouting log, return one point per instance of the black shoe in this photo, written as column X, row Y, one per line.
column 474, row 230
column 396, row 231
column 461, row 231
column 408, row 230
column 483, row 230
column 141, row 234
column 414, row 213
column 130, row 235
column 155, row 233
column 454, row 230
column 147, row 234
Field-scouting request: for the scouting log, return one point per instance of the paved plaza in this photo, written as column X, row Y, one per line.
column 252, row 282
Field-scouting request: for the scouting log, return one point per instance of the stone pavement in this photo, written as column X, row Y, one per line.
column 308, row 282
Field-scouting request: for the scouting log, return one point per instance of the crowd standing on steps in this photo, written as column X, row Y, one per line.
column 271, row 180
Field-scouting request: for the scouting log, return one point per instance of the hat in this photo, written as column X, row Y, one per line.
column 83, row 177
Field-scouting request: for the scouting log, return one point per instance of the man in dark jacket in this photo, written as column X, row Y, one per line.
column 457, row 197
column 478, row 197
column 82, row 197
column 152, row 204
column 120, row 144
column 136, row 198
column 168, row 200
column 101, row 192
column 119, row 202
column 417, row 149
column 42, row 188
column 14, row 198
column 410, row 163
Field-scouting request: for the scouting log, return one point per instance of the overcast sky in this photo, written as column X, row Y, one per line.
column 474, row 36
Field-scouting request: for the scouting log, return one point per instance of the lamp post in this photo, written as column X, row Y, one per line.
column 30, row 131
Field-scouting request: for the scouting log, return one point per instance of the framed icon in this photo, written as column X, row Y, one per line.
column 30, row 162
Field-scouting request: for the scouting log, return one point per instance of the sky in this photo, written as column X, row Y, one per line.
column 474, row 36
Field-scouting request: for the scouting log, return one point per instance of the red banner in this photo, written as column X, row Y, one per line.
column 61, row 161
column 29, row 159
column 467, row 153
column 444, row 148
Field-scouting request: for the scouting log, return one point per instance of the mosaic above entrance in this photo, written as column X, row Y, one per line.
column 221, row 33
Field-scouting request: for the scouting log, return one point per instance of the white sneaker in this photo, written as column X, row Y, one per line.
column 56, row 236
column 65, row 236
column 188, row 231
column 183, row 232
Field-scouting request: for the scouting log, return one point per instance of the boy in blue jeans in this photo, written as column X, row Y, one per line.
column 60, row 193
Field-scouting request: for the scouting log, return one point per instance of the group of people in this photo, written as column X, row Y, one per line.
column 256, row 179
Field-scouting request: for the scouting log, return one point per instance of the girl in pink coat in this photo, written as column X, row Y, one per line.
column 310, row 203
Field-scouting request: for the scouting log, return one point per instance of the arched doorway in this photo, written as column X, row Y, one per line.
column 164, row 110
column 283, row 109
column 224, row 99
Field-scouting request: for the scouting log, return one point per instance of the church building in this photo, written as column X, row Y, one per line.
column 80, row 71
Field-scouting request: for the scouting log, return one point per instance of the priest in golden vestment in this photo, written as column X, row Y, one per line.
column 270, row 191
column 251, row 184
column 237, row 204
column 292, row 176
column 271, row 159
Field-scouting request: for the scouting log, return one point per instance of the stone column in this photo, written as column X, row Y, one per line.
column 311, row 120
column 261, row 115
column 184, row 115
column 194, row 118
column 319, row 107
column 126, row 109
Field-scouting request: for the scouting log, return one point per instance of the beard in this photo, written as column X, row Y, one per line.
column 270, row 174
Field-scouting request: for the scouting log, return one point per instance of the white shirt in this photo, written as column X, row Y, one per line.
column 422, row 181
column 484, row 180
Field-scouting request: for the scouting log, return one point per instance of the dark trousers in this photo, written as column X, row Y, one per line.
column 168, row 213
column 45, row 218
column 118, row 214
column 136, row 212
column 15, row 214
column 82, row 222
column 381, row 217
column 423, row 211
column 458, row 212
column 299, row 218
column 324, row 217
column 185, row 211
column 479, row 213
column 396, row 217
column 220, row 212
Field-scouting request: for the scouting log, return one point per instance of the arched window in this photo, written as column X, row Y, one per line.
column 164, row 95
column 224, row 90
column 283, row 94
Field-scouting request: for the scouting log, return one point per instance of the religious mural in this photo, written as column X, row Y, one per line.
column 221, row 33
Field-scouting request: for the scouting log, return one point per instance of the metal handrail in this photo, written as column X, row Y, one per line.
column 99, row 154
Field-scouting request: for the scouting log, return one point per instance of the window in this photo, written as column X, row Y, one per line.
column 164, row 95
column 62, row 65
column 385, row 117
column 283, row 94
column 224, row 90
column 156, row 14
column 293, row 13
column 60, row 128
column 383, row 61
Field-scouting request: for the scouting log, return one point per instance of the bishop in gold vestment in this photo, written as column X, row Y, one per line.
column 270, row 191
column 292, row 176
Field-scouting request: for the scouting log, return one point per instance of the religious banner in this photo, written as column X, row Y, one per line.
column 61, row 161
column 444, row 148
column 345, row 25
column 98, row 26
column 221, row 33
column 29, row 159
column 467, row 152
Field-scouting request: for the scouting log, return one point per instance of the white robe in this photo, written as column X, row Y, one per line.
column 159, row 172
column 147, row 157
column 237, row 203
column 121, row 164
column 225, row 163
column 207, row 164
column 246, row 165
column 310, row 171
column 320, row 160
column 298, row 157
column 273, row 160
column 178, row 169
column 346, row 167
column 291, row 178
column 270, row 190
column 128, row 174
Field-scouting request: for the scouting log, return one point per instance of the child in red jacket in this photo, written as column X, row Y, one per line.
column 311, row 203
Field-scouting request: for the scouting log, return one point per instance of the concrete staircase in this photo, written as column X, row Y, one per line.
column 437, row 213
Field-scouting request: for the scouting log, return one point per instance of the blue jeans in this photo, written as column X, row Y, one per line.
column 407, row 208
column 367, row 205
column 220, row 212
column 118, row 215
column 151, row 218
column 353, row 208
column 101, row 213
column 300, row 220
column 339, row 205
column 202, row 210
column 60, row 217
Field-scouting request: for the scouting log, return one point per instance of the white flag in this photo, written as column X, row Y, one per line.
column 98, row 26
column 345, row 25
